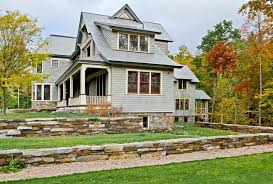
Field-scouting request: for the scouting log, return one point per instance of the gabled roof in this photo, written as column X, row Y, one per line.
column 59, row 45
column 185, row 73
column 113, row 55
column 128, row 12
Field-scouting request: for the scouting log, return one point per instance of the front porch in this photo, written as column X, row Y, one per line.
column 89, row 84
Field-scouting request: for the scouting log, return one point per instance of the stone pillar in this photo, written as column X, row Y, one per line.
column 82, row 86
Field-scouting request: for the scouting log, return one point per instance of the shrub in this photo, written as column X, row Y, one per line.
column 13, row 165
column 103, row 109
column 116, row 111
column 91, row 109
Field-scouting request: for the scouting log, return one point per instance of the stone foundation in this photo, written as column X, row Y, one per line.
column 236, row 128
column 157, row 121
column 60, row 126
column 132, row 150
column 44, row 105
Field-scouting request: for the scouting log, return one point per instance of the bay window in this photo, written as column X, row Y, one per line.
column 144, row 82
column 41, row 92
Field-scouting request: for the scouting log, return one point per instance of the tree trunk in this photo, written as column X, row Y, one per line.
column 4, row 101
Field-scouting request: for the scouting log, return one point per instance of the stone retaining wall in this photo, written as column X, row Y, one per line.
column 132, row 150
column 236, row 128
column 60, row 126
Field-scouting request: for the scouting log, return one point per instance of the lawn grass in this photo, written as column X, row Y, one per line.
column 45, row 114
column 254, row 169
column 180, row 131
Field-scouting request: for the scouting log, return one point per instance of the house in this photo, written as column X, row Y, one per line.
column 118, row 59
column 191, row 104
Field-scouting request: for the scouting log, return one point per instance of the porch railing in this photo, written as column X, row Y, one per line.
column 96, row 100
column 200, row 111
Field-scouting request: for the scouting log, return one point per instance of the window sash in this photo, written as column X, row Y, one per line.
column 144, row 82
column 123, row 41
column 143, row 43
column 46, row 92
column 39, row 92
column 133, row 42
column 182, row 104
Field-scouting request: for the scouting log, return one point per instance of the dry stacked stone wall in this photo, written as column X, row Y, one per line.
column 132, row 150
column 60, row 126
column 236, row 128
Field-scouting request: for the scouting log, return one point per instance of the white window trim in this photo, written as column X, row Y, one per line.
column 138, row 82
column 182, row 84
column 42, row 92
column 55, row 60
column 138, row 42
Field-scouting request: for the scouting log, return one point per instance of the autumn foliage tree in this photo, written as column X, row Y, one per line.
column 19, row 41
column 222, row 58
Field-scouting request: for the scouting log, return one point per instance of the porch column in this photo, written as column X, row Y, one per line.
column 59, row 96
column 71, row 87
column 64, row 89
column 82, row 86
column 109, row 82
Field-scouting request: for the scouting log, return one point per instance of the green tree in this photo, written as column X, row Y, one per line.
column 19, row 41
column 222, row 32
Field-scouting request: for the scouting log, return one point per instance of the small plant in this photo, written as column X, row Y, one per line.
column 116, row 111
column 103, row 109
column 91, row 110
column 13, row 165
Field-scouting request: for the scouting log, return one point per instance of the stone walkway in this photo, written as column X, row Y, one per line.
column 82, row 167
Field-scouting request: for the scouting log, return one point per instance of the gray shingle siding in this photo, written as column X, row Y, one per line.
column 142, row 103
column 164, row 46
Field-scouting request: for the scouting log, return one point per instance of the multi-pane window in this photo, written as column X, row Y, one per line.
column 39, row 92
column 40, row 68
column 133, row 42
column 155, row 83
column 200, row 106
column 123, row 41
column 142, row 82
column 143, row 43
column 182, row 84
column 132, row 82
column 182, row 104
column 54, row 63
column 46, row 92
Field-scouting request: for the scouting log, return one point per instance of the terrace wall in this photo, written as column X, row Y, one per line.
column 236, row 128
column 132, row 150
column 60, row 126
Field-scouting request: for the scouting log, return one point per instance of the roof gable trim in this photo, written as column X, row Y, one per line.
column 126, row 13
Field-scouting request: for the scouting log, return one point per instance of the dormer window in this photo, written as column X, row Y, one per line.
column 133, row 42
column 123, row 41
column 143, row 43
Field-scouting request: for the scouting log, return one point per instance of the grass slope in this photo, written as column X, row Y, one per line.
column 255, row 169
column 180, row 131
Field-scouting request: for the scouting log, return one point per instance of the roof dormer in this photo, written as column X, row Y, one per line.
column 126, row 13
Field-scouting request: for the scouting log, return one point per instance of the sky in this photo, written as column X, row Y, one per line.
column 187, row 21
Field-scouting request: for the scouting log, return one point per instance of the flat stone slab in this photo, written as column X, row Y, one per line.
column 13, row 132
column 24, row 128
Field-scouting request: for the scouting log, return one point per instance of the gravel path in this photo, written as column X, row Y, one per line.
column 82, row 167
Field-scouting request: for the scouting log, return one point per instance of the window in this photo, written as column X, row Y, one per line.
column 145, row 121
column 133, row 42
column 54, row 63
column 182, row 104
column 185, row 119
column 39, row 92
column 176, row 119
column 40, row 68
column 123, row 41
column 142, row 82
column 182, row 84
column 132, row 82
column 155, row 83
column 143, row 43
column 88, row 51
column 46, row 92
